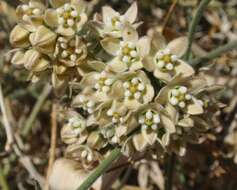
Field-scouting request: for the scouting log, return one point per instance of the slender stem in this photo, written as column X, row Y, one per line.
column 193, row 25
column 215, row 53
column 170, row 172
column 40, row 102
column 115, row 154
column 53, row 143
column 7, row 125
column 3, row 181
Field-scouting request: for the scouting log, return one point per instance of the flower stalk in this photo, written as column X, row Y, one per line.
column 194, row 23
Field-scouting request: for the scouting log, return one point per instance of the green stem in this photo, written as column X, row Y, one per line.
column 40, row 102
column 170, row 171
column 3, row 181
column 193, row 25
column 115, row 154
column 215, row 53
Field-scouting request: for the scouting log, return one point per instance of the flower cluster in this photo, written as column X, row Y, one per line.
column 135, row 93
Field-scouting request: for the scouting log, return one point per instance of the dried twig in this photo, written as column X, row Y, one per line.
column 28, row 165
column 40, row 102
column 6, row 122
column 167, row 18
column 52, row 143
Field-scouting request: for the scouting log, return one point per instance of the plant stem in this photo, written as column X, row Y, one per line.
column 6, row 122
column 193, row 25
column 3, row 181
column 170, row 171
column 115, row 154
column 40, row 102
column 215, row 53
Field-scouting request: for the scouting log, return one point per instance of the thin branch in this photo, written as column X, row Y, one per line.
column 52, row 143
column 10, row 138
column 167, row 18
column 214, row 54
column 193, row 25
column 115, row 154
column 170, row 172
column 40, row 102
column 28, row 165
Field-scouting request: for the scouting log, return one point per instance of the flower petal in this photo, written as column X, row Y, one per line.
column 139, row 142
column 131, row 13
column 108, row 13
column 178, row 46
column 143, row 45
column 51, row 18
column 117, row 66
column 58, row 3
column 110, row 45
column 195, row 108
column 184, row 68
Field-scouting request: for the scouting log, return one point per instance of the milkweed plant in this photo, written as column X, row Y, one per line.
column 131, row 92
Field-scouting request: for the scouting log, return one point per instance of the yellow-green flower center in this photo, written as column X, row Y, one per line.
column 149, row 119
column 68, row 16
column 165, row 61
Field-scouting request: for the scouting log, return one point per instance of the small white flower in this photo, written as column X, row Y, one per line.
column 169, row 66
column 137, row 95
column 127, row 93
column 182, row 104
column 126, row 84
column 161, row 64
column 149, row 114
column 135, row 81
column 188, row 97
column 133, row 53
column 67, row 7
column 70, row 22
column 74, row 13
column 141, row 87
column 144, row 127
column 183, row 89
column 174, row 101
column 25, row 7
column 108, row 82
column 64, row 54
column 154, row 126
column 156, row 118
column 125, row 59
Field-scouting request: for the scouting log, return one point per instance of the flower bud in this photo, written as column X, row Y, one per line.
column 19, row 37
column 34, row 61
column 43, row 40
